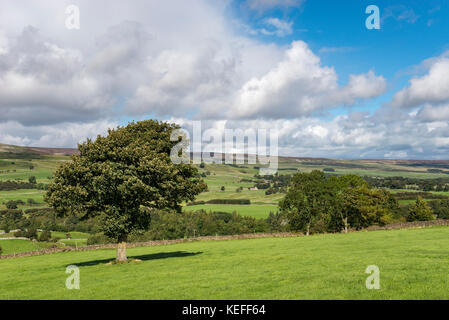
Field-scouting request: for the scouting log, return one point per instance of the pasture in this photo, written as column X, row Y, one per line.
column 413, row 264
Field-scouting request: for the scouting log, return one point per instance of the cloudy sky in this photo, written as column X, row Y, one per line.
column 309, row 68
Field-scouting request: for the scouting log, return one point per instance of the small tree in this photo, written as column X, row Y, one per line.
column 222, row 188
column 32, row 180
column 420, row 211
column 121, row 177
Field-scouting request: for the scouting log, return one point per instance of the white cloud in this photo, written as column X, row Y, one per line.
column 60, row 135
column 262, row 5
column 279, row 27
column 299, row 86
column 432, row 88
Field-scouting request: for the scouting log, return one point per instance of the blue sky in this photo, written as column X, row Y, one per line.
column 411, row 31
column 308, row 68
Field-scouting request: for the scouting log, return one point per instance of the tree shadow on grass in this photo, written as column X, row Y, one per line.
column 145, row 257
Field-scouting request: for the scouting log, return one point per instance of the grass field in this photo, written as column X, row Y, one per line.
column 413, row 264
column 18, row 246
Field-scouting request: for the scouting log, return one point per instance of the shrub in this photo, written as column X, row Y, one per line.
column 1, row 250
column 98, row 238
column 420, row 211
column 45, row 236
column 11, row 205
column 31, row 233
column 32, row 180
column 31, row 201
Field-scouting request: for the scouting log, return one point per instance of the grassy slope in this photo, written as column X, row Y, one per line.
column 413, row 265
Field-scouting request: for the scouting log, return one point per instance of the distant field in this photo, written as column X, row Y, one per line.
column 256, row 211
column 413, row 264
column 41, row 163
column 18, row 245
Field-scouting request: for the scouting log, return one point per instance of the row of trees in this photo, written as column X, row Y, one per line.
column 336, row 203
column 439, row 184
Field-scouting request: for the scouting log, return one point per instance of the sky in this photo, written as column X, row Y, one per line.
column 311, row 69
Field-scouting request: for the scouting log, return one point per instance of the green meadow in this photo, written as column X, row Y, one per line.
column 413, row 264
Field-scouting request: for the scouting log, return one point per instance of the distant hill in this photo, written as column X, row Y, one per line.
column 10, row 150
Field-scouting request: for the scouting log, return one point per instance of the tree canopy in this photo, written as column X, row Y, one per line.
column 338, row 203
column 122, row 176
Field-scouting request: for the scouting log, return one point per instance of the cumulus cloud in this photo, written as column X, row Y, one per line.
column 57, row 136
column 41, row 82
column 299, row 85
column 430, row 88
column 356, row 135
column 58, row 87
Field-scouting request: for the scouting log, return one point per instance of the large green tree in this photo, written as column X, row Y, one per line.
column 121, row 177
column 306, row 201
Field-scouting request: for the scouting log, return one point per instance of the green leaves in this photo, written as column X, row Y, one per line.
column 337, row 202
column 118, row 175
column 420, row 211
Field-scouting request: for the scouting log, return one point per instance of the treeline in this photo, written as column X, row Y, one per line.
column 17, row 185
column 174, row 225
column 221, row 201
column 319, row 203
column 45, row 219
column 416, row 195
column 439, row 184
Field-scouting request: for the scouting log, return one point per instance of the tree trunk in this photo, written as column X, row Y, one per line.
column 121, row 249
column 308, row 230
column 345, row 220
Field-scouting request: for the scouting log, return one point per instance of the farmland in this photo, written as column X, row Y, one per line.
column 413, row 262
column 413, row 265
column 20, row 163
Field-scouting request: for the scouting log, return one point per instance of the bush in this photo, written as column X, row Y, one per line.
column 98, row 238
column 31, row 233
column 31, row 201
column 11, row 205
column 45, row 236
column 1, row 250
column 420, row 211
